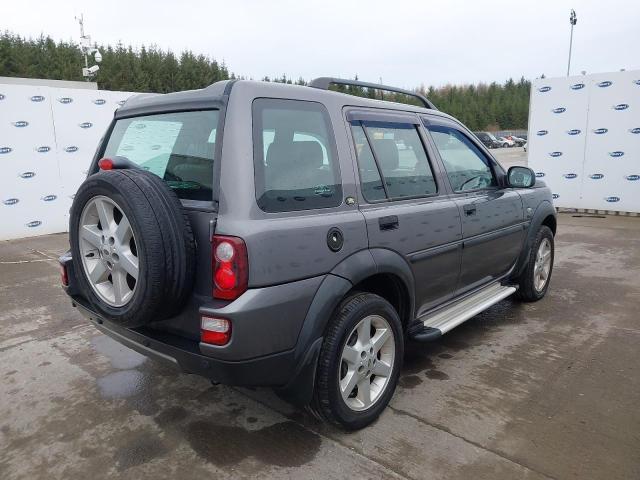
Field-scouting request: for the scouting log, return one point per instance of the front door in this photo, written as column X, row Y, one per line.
column 404, row 202
column 492, row 215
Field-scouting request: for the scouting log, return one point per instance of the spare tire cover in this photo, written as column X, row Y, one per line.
column 132, row 245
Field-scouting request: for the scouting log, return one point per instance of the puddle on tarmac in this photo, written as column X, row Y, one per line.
column 286, row 444
column 121, row 357
column 122, row 384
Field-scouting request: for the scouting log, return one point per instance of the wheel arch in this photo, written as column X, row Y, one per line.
column 369, row 270
column 545, row 214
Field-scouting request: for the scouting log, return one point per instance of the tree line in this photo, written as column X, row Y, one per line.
column 149, row 69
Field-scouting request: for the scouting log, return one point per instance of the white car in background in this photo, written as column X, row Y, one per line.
column 505, row 142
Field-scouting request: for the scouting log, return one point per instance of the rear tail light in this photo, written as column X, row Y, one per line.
column 64, row 277
column 215, row 331
column 105, row 164
column 230, row 267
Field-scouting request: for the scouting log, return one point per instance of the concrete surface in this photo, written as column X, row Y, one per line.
column 510, row 157
column 545, row 390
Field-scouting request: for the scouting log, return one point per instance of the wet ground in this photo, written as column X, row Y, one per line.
column 545, row 390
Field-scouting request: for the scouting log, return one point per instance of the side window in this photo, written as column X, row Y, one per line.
column 402, row 161
column 370, row 180
column 296, row 165
column 467, row 167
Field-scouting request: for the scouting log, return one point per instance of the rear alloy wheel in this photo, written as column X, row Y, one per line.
column 359, row 362
column 366, row 362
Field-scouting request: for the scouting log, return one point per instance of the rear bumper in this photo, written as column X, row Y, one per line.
column 270, row 370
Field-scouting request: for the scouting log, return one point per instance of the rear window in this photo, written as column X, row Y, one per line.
column 296, row 164
column 178, row 147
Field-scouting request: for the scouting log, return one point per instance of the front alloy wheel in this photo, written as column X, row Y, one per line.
column 542, row 267
column 534, row 279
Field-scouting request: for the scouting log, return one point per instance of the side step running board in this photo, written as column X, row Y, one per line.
column 432, row 325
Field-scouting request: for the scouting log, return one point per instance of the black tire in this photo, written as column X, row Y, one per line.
column 527, row 291
column 164, row 241
column 327, row 402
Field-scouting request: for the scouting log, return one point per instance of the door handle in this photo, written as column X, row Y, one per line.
column 388, row 223
column 469, row 209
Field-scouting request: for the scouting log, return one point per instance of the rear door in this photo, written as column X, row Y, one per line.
column 404, row 201
column 492, row 215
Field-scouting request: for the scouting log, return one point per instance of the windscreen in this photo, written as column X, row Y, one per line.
column 178, row 147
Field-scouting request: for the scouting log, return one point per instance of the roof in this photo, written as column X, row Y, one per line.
column 213, row 95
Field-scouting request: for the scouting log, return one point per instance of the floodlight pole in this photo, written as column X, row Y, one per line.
column 80, row 20
column 573, row 19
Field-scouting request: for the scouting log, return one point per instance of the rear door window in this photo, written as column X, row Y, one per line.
column 178, row 147
column 296, row 162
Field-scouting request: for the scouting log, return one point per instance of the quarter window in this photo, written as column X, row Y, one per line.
column 466, row 166
column 401, row 161
column 296, row 165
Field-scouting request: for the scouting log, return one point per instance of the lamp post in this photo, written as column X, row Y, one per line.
column 573, row 19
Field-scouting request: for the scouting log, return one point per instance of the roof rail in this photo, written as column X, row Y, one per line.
column 323, row 83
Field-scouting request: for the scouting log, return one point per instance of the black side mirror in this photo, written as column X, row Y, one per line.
column 521, row 177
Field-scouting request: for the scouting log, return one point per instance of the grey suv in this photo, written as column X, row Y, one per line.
column 294, row 237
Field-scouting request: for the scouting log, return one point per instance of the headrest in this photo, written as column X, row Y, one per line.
column 387, row 153
column 294, row 155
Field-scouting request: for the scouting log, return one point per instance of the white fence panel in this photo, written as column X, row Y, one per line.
column 47, row 139
column 584, row 139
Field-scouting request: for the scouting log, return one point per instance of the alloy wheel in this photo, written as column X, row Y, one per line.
column 366, row 362
column 109, row 251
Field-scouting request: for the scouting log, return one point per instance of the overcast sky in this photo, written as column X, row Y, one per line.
column 406, row 43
